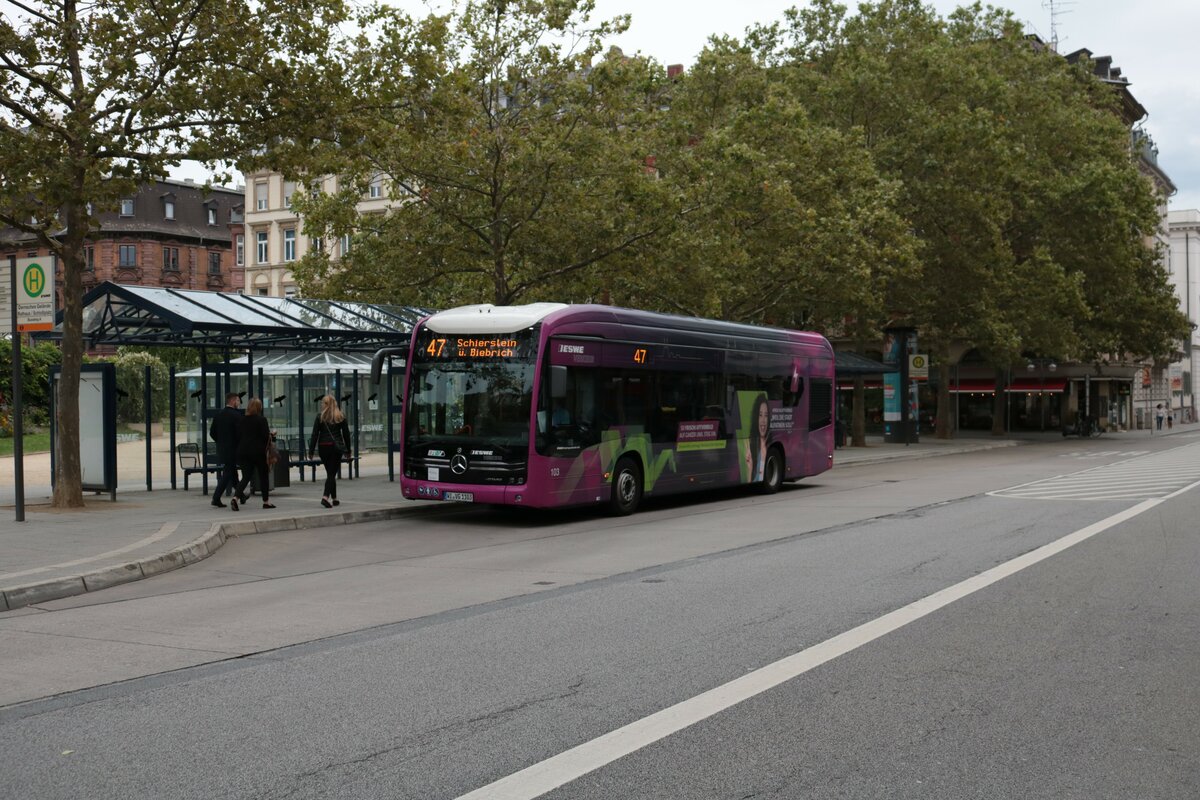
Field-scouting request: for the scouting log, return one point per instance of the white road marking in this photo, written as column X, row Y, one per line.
column 545, row 776
column 1152, row 475
column 166, row 530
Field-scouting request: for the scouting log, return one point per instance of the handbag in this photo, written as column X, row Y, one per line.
column 272, row 453
column 337, row 444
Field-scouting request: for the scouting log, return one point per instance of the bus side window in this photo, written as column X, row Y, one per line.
column 820, row 403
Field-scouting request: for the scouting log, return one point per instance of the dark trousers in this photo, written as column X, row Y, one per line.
column 228, row 478
column 248, row 467
column 331, row 459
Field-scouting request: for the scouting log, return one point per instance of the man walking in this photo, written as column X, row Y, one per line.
column 225, row 431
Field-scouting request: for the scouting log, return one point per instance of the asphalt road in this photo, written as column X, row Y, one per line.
column 500, row 655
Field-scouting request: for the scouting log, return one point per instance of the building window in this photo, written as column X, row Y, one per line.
column 317, row 244
column 214, row 263
column 261, row 292
column 89, row 259
column 127, row 207
column 261, row 238
column 32, row 254
column 171, row 259
column 289, row 189
column 289, row 244
column 168, row 209
column 241, row 250
column 289, row 291
column 260, row 196
column 345, row 244
column 375, row 190
column 212, row 215
column 127, row 255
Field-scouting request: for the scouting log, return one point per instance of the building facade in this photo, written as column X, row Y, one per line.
column 274, row 237
column 175, row 234
column 1177, row 385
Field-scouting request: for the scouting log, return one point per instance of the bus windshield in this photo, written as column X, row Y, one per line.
column 466, row 400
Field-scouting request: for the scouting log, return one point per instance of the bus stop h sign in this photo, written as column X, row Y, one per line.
column 34, row 295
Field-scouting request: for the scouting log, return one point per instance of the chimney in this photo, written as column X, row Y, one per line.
column 674, row 70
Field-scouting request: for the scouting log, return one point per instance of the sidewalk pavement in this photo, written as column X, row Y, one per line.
column 59, row 553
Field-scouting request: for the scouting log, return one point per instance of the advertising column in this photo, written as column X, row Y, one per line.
column 900, row 410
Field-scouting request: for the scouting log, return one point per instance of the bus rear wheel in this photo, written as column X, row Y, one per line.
column 626, row 488
column 772, row 472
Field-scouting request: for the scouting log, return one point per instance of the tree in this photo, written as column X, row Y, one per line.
column 786, row 220
column 99, row 98
column 1016, row 176
column 516, row 172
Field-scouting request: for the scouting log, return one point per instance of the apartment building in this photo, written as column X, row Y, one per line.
column 274, row 237
column 170, row 233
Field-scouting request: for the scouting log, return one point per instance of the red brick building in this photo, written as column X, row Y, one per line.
column 174, row 234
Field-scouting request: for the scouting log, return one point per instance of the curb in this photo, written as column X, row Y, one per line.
column 196, row 550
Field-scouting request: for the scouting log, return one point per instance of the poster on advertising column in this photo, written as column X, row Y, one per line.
column 891, row 396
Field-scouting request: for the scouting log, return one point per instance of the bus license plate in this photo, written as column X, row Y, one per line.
column 465, row 497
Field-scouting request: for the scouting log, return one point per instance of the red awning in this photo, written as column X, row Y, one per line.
column 974, row 386
column 1038, row 385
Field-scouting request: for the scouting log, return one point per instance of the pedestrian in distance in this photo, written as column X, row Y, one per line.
column 252, row 453
column 1158, row 416
column 331, row 442
column 225, row 430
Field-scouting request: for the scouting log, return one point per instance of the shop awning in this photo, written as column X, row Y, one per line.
column 973, row 386
column 1038, row 385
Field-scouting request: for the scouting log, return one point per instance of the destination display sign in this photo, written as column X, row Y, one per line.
column 432, row 346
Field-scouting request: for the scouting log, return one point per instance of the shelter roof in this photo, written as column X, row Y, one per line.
column 847, row 364
column 116, row 314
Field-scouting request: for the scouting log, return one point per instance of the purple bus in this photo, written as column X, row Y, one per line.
column 550, row 405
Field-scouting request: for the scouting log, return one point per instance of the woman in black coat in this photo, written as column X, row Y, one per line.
column 252, row 453
column 331, row 439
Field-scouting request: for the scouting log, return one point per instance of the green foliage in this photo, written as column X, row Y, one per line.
column 131, row 383
column 96, row 99
column 36, row 362
column 786, row 219
column 182, row 358
column 1015, row 176
column 514, row 152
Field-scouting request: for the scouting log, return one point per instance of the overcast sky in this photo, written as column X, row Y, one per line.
column 1148, row 40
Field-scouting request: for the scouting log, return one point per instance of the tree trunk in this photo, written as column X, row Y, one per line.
column 945, row 407
column 859, row 414
column 999, row 401
column 68, row 478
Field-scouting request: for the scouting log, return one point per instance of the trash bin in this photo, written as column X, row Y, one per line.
column 280, row 475
column 276, row 475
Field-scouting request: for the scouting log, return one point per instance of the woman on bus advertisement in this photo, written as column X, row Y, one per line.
column 759, row 426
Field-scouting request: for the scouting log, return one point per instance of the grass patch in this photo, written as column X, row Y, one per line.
column 34, row 442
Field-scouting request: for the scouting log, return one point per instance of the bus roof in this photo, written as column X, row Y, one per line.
column 487, row 318
column 583, row 319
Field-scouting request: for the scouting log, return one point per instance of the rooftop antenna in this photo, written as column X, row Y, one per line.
column 1056, row 8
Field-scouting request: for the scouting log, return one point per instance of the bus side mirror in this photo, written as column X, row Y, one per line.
column 558, row 382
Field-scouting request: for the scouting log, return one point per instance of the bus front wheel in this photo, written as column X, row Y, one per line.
column 772, row 472
column 626, row 488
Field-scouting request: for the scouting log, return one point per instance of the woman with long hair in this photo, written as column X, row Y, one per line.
column 252, row 453
column 760, row 426
column 331, row 440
